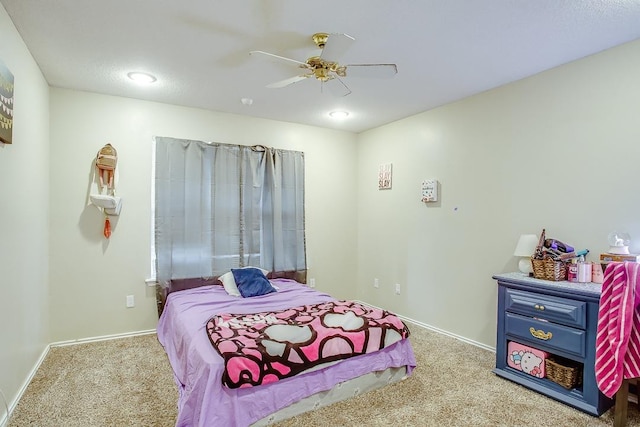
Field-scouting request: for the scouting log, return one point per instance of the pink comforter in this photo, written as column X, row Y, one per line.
column 266, row 347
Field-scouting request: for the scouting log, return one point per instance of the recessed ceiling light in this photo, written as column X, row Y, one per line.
column 246, row 101
column 140, row 77
column 339, row 114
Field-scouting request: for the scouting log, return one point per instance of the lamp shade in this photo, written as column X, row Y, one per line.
column 526, row 245
column 525, row 248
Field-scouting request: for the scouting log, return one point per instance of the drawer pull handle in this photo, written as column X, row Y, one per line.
column 540, row 334
column 538, row 307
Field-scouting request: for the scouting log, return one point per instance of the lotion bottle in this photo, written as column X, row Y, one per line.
column 584, row 270
column 597, row 275
column 572, row 271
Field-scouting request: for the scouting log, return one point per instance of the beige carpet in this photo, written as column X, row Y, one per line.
column 128, row 382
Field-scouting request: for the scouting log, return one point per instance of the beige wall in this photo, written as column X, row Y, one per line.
column 560, row 151
column 24, row 215
column 91, row 276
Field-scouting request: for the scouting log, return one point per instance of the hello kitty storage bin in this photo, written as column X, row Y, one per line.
column 526, row 359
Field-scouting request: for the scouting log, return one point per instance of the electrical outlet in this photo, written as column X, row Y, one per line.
column 376, row 283
column 131, row 301
column 397, row 288
column 312, row 282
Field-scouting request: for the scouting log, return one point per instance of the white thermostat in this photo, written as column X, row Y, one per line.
column 430, row 190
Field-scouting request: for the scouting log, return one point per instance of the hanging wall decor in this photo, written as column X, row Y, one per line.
column 384, row 177
column 105, row 198
column 6, row 104
column 106, row 162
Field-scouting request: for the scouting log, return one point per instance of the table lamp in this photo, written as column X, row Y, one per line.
column 525, row 248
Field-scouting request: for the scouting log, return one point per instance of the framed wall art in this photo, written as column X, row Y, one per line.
column 384, row 177
column 6, row 104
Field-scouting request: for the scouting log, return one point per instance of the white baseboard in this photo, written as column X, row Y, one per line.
column 438, row 330
column 102, row 338
column 14, row 402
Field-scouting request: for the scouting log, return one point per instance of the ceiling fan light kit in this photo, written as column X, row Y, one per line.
column 326, row 68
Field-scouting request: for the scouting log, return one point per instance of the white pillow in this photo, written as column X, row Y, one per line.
column 229, row 282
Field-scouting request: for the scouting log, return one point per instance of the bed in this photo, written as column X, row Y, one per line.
column 187, row 330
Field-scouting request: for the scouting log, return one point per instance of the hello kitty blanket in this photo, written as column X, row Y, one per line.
column 266, row 347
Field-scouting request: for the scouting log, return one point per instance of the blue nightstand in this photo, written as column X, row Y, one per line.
column 560, row 318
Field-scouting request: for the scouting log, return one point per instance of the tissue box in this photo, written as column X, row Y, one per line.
column 526, row 359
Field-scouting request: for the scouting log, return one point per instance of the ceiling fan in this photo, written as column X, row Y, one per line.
column 325, row 67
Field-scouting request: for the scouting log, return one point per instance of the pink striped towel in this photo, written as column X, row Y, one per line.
column 618, row 337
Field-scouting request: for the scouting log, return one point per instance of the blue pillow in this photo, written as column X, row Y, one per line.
column 251, row 282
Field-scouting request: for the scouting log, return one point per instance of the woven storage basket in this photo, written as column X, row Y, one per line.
column 565, row 372
column 549, row 269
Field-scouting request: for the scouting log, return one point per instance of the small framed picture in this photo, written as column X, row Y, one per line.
column 6, row 104
column 384, row 176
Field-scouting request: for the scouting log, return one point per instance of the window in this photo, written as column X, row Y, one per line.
column 221, row 206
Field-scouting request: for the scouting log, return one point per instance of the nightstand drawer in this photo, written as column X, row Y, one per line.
column 554, row 336
column 562, row 310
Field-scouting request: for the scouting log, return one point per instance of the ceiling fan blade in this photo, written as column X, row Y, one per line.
column 336, row 87
column 287, row 82
column 336, row 46
column 277, row 57
column 371, row 70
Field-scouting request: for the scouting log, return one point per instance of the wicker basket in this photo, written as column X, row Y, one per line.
column 549, row 269
column 565, row 372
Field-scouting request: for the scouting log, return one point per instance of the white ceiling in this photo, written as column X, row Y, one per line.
column 445, row 50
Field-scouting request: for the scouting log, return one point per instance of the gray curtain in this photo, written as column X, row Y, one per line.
column 221, row 206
